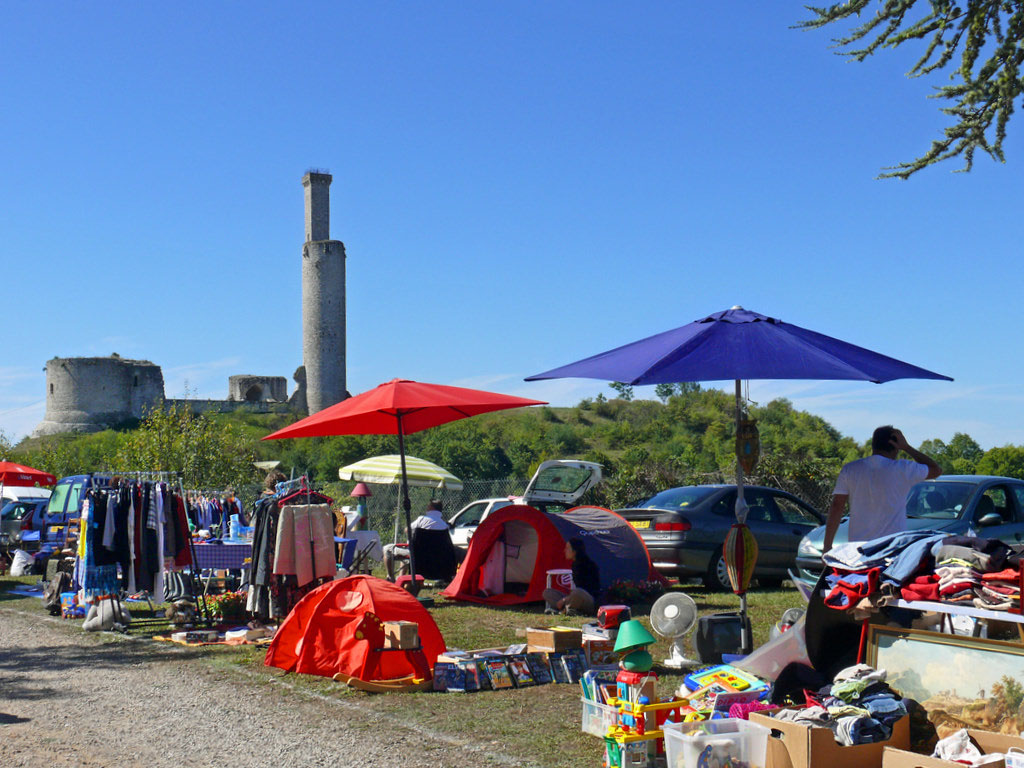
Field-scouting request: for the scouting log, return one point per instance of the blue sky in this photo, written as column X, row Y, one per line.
column 518, row 185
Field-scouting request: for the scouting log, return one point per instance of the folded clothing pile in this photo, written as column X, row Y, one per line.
column 971, row 571
column 998, row 591
column 858, row 706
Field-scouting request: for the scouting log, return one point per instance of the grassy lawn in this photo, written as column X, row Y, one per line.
column 539, row 725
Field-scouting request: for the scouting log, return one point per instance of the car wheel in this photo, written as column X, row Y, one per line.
column 717, row 577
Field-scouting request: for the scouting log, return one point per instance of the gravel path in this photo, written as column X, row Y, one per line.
column 67, row 699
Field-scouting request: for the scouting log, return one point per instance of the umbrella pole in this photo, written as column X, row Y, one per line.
column 746, row 644
column 407, row 506
column 741, row 505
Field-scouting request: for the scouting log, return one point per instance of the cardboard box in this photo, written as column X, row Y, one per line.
column 553, row 639
column 794, row 745
column 988, row 743
column 401, row 634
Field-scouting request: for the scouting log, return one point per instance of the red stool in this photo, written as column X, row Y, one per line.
column 405, row 581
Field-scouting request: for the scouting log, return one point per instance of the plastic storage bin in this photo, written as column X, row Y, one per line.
column 597, row 717
column 716, row 742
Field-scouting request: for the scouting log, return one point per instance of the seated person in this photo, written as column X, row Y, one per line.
column 436, row 556
column 581, row 600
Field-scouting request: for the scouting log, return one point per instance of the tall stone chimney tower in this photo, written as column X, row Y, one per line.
column 323, row 299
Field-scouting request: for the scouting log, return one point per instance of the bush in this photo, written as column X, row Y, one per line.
column 631, row 592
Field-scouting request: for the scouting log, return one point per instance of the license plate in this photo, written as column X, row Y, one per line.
column 640, row 523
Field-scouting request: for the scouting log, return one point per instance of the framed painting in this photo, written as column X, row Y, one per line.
column 963, row 682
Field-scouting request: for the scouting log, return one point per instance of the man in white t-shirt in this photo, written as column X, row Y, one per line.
column 876, row 488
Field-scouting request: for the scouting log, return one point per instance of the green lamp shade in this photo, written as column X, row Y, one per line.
column 632, row 635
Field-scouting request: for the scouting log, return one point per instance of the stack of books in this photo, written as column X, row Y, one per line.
column 501, row 668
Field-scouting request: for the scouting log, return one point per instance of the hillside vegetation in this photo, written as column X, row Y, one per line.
column 643, row 445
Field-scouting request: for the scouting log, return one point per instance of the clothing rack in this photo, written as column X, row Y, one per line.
column 171, row 478
column 218, row 494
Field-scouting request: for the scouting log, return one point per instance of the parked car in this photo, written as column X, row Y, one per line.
column 18, row 518
column 555, row 487
column 22, row 493
column 685, row 528
column 982, row 505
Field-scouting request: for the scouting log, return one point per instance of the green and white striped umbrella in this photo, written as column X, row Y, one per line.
column 388, row 469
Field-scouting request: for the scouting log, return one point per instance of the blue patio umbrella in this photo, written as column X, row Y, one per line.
column 740, row 345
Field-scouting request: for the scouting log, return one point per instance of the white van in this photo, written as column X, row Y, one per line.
column 556, row 486
column 23, row 493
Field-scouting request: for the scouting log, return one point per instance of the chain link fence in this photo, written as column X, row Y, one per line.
column 385, row 503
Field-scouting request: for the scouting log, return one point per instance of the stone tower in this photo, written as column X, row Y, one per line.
column 87, row 394
column 323, row 299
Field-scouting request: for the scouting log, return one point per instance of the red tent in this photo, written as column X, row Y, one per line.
column 514, row 548
column 318, row 636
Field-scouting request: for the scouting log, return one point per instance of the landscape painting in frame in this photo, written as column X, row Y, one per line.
column 963, row 682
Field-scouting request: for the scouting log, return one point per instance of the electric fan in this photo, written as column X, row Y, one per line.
column 673, row 616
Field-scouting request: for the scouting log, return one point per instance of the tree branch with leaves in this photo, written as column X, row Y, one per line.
column 979, row 40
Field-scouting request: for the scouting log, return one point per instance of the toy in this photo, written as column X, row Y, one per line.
column 637, row 739
column 735, row 679
column 612, row 616
column 371, row 629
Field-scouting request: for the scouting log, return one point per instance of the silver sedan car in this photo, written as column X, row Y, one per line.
column 685, row 528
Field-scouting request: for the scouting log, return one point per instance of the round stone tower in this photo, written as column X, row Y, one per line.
column 87, row 394
column 323, row 299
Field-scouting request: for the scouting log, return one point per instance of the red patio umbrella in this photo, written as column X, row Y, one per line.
column 401, row 407
column 18, row 474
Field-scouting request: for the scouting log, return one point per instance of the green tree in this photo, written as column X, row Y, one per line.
column 964, row 454
column 1007, row 461
column 980, row 41
column 208, row 454
column 624, row 391
column 6, row 448
column 664, row 391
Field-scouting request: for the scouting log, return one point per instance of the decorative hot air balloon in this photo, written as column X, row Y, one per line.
column 740, row 552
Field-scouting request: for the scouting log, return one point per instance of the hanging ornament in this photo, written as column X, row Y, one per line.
column 740, row 552
column 748, row 445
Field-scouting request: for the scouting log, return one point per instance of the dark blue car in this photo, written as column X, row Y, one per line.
column 981, row 505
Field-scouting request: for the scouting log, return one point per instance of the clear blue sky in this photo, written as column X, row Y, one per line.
column 518, row 185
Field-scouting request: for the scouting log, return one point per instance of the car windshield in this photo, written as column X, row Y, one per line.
column 561, row 479
column 57, row 498
column 16, row 510
column 677, row 498
column 938, row 501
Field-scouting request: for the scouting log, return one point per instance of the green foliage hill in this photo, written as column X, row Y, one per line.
column 644, row 446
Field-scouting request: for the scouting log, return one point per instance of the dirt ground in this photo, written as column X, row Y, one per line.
column 72, row 699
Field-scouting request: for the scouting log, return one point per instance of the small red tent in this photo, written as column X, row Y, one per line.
column 514, row 548
column 318, row 636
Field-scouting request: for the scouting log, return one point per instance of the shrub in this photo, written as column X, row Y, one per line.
column 631, row 592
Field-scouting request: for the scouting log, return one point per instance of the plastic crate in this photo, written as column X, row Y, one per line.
column 598, row 717
column 742, row 742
